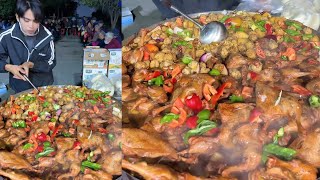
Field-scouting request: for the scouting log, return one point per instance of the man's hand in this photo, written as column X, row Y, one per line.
column 26, row 66
column 17, row 71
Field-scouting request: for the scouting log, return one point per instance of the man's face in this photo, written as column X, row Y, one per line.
column 28, row 23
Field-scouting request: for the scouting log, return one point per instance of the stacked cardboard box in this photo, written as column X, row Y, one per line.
column 95, row 61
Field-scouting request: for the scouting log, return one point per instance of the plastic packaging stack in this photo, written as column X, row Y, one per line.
column 102, row 83
column 304, row 11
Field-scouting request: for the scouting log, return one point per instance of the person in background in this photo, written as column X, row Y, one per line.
column 97, row 30
column 111, row 41
column 30, row 48
column 100, row 42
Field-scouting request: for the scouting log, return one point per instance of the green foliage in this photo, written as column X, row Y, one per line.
column 7, row 8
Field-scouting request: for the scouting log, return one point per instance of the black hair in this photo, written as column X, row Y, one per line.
column 22, row 6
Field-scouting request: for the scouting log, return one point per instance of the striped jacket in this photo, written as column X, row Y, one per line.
column 14, row 46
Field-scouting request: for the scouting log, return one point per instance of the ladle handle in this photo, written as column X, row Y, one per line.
column 186, row 16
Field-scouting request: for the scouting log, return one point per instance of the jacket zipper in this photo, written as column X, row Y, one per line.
column 29, row 53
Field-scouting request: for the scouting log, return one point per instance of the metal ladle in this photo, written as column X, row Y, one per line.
column 213, row 32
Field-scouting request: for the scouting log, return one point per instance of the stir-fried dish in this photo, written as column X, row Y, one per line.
column 60, row 133
column 244, row 108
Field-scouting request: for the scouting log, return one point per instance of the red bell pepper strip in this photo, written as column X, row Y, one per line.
column 152, row 75
column 182, row 118
column 55, row 132
column 268, row 28
column 151, row 48
column 260, row 53
column 34, row 118
column 76, row 145
column 30, row 113
column 219, row 93
column 254, row 115
column 212, row 132
column 301, row 90
column 39, row 148
column 102, row 130
column 42, row 137
column 41, row 98
column 192, row 122
column 252, row 75
column 177, row 70
column 193, row 102
column 290, row 53
column 168, row 86
column 75, row 122
column 146, row 56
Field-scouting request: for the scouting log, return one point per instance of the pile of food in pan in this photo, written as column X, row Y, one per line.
column 244, row 108
column 66, row 132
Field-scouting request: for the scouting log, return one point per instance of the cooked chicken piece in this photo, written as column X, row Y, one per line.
column 157, row 111
column 140, row 89
column 101, row 175
column 248, row 134
column 136, row 142
column 89, row 139
column 190, row 84
column 126, row 81
column 300, row 170
column 14, row 161
column 201, row 145
column 236, row 61
column 128, row 94
column 235, row 112
column 157, row 94
column 14, row 175
column 72, row 157
column 251, row 158
column 266, row 100
column 314, row 86
column 271, row 173
column 308, row 148
column 111, row 162
column 140, row 108
column 139, row 75
column 45, row 162
column 150, row 172
column 63, row 144
column 269, row 75
column 124, row 69
column 293, row 73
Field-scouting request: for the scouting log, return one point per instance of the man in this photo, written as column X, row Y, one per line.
column 30, row 48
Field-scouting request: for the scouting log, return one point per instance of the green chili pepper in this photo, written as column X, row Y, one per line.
column 66, row 134
column 224, row 18
column 91, row 165
column 46, row 144
column 168, row 118
column 158, row 81
column 214, row 72
column 293, row 32
column 294, row 24
column 281, row 152
column 111, row 137
column 317, row 47
column 182, row 43
column 19, row 124
column 280, row 134
column 233, row 98
column 45, row 104
column 185, row 33
column 46, row 152
column 260, row 25
column 307, row 36
column 203, row 115
column 203, row 127
column 106, row 100
column 264, row 157
column 284, row 57
column 288, row 39
column 27, row 146
column 186, row 59
column 53, row 120
column 29, row 98
column 314, row 101
column 92, row 101
column 90, row 156
column 79, row 94
column 169, row 31
column 56, row 107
